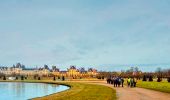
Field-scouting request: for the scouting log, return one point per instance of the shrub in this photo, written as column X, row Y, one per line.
column 103, row 77
column 168, row 79
column 22, row 77
column 144, row 78
column 4, row 78
column 159, row 79
column 58, row 77
column 150, row 78
column 39, row 78
column 99, row 77
column 63, row 78
column 54, row 78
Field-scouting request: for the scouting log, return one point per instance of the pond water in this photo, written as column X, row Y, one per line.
column 24, row 91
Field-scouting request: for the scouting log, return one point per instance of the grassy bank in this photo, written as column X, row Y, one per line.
column 158, row 86
column 82, row 91
column 78, row 91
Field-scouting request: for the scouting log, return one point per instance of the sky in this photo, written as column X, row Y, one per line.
column 102, row 34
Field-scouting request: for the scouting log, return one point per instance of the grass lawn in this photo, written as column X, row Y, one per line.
column 158, row 86
column 78, row 91
column 82, row 91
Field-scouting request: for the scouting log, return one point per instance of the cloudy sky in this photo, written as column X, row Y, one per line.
column 97, row 33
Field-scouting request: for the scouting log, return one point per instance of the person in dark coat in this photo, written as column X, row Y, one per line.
column 107, row 80
column 114, row 82
column 122, row 80
column 119, row 81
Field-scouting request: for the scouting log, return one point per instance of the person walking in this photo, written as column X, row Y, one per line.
column 119, row 81
column 128, row 82
column 122, row 80
column 131, row 82
column 134, row 82
column 114, row 82
column 108, row 81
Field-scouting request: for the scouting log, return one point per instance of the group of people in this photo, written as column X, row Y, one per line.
column 119, row 81
column 131, row 82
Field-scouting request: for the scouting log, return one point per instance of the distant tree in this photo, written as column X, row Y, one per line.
column 54, row 78
column 63, row 78
column 150, row 78
column 16, row 78
column 39, row 78
column 159, row 72
column 168, row 73
column 168, row 79
column 22, row 77
column 136, row 69
column 144, row 78
column 159, row 79
column 4, row 78
column 58, row 77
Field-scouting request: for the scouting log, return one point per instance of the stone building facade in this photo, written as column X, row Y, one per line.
column 70, row 72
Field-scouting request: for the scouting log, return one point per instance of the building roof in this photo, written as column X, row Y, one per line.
column 72, row 67
column 63, row 71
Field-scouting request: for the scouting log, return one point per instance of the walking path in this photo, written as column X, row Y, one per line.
column 126, row 93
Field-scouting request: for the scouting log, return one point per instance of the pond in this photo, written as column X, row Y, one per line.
column 24, row 91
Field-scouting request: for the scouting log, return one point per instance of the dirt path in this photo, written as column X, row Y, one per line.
column 140, row 94
column 126, row 93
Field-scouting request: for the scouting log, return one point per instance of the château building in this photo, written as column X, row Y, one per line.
column 70, row 72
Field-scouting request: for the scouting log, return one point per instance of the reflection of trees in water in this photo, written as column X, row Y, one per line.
column 19, row 89
column 48, row 88
column 4, row 85
column 54, row 87
column 45, row 88
column 27, row 90
column 16, row 89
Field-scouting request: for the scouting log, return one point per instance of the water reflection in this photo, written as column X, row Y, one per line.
column 23, row 91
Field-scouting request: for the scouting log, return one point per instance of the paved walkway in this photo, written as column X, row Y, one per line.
column 126, row 93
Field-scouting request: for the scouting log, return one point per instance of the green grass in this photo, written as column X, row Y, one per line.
column 79, row 91
column 82, row 91
column 158, row 86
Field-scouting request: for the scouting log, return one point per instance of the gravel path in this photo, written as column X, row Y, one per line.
column 140, row 94
column 126, row 93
